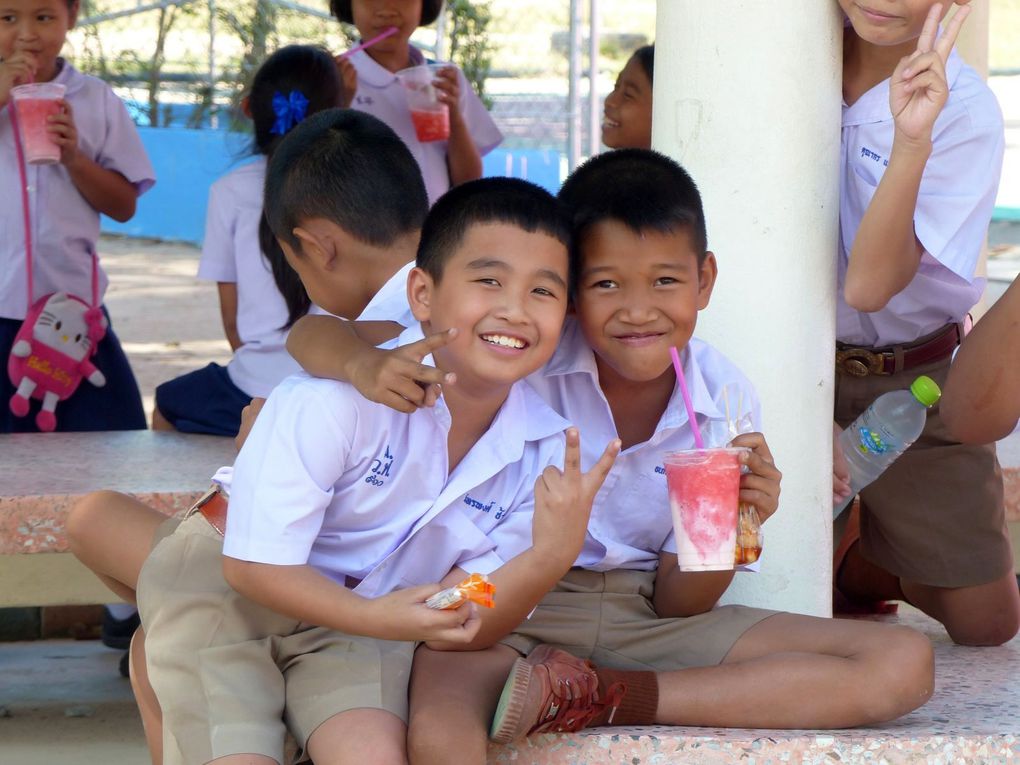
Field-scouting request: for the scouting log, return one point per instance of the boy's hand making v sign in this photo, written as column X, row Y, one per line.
column 918, row 89
column 563, row 502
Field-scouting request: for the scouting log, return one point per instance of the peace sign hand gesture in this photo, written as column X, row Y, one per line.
column 918, row 89
column 563, row 500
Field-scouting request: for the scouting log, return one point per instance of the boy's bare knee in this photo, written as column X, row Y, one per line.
column 908, row 674
column 992, row 629
column 83, row 514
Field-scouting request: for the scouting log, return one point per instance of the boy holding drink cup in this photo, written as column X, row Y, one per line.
column 655, row 649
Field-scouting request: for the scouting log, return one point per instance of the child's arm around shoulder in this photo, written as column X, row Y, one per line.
column 686, row 593
column 981, row 399
column 563, row 501
column 886, row 252
column 336, row 349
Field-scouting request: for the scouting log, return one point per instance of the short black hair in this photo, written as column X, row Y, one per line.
column 349, row 168
column 487, row 200
column 640, row 188
column 646, row 57
column 430, row 10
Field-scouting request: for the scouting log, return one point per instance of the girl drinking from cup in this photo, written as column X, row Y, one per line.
column 446, row 161
column 98, row 166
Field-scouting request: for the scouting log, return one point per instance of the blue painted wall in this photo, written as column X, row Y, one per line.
column 188, row 161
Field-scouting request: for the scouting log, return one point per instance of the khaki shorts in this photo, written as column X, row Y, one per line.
column 936, row 516
column 608, row 618
column 229, row 673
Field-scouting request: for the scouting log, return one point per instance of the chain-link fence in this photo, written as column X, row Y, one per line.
column 185, row 62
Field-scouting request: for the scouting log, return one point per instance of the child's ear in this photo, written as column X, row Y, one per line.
column 313, row 248
column 72, row 14
column 246, row 106
column 707, row 273
column 419, row 293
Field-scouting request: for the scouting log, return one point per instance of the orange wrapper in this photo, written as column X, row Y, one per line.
column 477, row 588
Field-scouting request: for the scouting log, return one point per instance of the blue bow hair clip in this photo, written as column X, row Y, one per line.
column 289, row 111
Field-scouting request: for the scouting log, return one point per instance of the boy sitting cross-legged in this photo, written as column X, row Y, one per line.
column 653, row 647
column 343, row 513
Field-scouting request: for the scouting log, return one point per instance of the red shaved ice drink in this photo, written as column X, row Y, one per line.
column 34, row 103
column 430, row 116
column 704, row 485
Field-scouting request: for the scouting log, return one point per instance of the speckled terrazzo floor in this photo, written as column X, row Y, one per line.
column 974, row 717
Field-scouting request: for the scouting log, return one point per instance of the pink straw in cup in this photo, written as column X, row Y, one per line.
column 388, row 32
column 704, row 486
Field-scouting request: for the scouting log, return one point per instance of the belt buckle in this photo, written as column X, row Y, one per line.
column 203, row 500
column 859, row 362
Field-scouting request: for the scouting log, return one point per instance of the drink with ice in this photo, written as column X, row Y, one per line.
column 34, row 103
column 430, row 116
column 704, row 486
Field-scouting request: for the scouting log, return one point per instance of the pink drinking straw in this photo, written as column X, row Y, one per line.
column 369, row 43
column 682, row 382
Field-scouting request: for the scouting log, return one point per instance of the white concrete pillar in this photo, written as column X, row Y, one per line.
column 748, row 100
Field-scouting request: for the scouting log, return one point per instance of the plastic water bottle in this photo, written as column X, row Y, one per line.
column 884, row 431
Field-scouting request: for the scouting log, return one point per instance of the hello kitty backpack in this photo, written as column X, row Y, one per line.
column 53, row 347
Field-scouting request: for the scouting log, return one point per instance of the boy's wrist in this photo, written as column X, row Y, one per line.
column 910, row 148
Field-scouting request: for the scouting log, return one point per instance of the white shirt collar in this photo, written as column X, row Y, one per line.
column 370, row 72
column 574, row 356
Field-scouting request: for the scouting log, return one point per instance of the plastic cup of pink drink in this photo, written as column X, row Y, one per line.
column 704, row 486
column 430, row 116
column 34, row 103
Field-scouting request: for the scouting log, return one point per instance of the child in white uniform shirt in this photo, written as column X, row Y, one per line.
column 922, row 151
column 103, row 168
column 336, row 502
column 260, row 296
column 113, row 533
column 473, row 134
column 655, row 649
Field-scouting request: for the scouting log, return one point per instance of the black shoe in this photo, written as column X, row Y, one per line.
column 116, row 633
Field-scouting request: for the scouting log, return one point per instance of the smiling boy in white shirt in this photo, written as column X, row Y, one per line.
column 336, row 502
column 626, row 637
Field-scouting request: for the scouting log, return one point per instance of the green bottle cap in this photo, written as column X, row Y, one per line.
column 926, row 390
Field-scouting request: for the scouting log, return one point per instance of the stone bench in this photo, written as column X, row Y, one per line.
column 42, row 475
column 973, row 717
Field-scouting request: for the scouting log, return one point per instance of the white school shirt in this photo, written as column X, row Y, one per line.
column 381, row 95
column 64, row 225
column 359, row 490
column 631, row 521
column 231, row 253
column 954, row 206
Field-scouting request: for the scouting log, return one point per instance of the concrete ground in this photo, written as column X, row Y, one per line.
column 63, row 701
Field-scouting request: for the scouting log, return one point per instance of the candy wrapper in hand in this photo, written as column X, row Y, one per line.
column 749, row 534
column 477, row 588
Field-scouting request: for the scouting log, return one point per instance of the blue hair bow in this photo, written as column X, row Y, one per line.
column 289, row 111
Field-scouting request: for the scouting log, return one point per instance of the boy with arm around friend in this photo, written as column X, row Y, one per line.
column 655, row 650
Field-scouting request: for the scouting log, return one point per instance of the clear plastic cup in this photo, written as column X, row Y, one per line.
column 35, row 102
column 704, row 487
column 430, row 116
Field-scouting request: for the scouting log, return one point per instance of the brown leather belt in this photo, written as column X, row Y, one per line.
column 888, row 360
column 213, row 505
